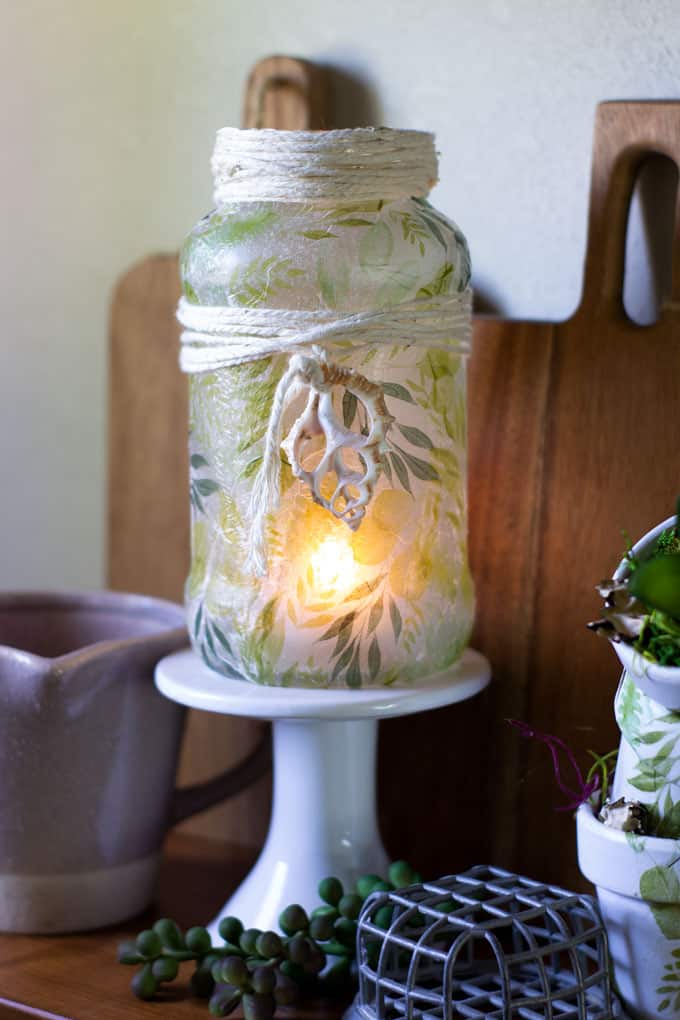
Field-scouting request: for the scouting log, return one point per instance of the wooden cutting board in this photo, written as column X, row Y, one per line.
column 574, row 432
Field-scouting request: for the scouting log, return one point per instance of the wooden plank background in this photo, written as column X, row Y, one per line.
column 573, row 436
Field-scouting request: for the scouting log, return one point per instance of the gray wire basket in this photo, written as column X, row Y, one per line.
column 485, row 943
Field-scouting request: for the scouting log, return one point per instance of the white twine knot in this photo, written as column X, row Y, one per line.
column 266, row 492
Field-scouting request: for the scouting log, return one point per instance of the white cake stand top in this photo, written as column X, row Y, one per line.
column 184, row 678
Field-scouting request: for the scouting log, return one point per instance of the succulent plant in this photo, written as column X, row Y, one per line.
column 261, row 970
column 643, row 608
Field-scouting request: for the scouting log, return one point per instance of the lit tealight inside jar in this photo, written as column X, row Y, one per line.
column 334, row 568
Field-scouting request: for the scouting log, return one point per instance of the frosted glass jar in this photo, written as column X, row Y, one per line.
column 392, row 601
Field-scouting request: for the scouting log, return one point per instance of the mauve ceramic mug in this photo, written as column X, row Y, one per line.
column 88, row 755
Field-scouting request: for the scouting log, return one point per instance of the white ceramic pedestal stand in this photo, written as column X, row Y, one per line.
column 324, row 813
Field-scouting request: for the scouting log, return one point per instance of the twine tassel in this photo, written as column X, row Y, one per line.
column 266, row 492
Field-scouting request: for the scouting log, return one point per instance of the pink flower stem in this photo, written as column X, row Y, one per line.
column 555, row 745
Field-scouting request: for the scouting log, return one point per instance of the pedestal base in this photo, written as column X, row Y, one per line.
column 324, row 815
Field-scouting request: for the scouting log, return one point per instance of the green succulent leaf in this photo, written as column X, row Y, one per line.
column 656, row 582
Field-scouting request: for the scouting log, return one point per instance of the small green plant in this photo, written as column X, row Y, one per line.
column 643, row 609
column 314, row 954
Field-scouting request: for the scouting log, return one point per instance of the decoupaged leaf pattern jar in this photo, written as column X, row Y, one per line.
column 388, row 600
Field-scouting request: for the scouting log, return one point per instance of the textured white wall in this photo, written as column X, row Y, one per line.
column 108, row 114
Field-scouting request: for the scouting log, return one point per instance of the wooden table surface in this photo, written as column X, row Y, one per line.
column 77, row 977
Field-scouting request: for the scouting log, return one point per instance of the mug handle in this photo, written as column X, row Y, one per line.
column 190, row 800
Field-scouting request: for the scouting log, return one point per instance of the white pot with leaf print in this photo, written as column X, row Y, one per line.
column 392, row 601
column 638, row 888
column 647, row 710
column 648, row 764
column 638, row 876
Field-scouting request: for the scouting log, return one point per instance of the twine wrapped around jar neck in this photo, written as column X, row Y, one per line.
column 354, row 165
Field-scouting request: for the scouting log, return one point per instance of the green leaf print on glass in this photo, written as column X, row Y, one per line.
column 395, row 616
column 353, row 674
column 375, row 615
column 214, row 645
column 342, row 662
column 333, row 281
column 400, row 460
column 437, row 221
column 391, row 389
column 401, row 472
column 237, row 229
column 342, row 623
column 350, row 215
column 436, row 224
column 262, row 644
column 419, row 468
column 414, row 229
column 441, row 284
column 349, row 408
column 376, row 247
column 416, row 437
column 398, row 284
column 259, row 280
column 317, row 235
column 353, row 221
column 660, row 887
column 189, row 293
column 200, row 488
column 374, row 658
column 349, row 650
column 207, row 486
column 199, row 559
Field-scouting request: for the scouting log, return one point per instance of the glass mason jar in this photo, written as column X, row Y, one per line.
column 390, row 601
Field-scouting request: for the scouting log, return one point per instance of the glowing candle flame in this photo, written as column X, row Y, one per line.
column 333, row 566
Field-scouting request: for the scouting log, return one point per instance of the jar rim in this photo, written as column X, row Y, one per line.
column 338, row 166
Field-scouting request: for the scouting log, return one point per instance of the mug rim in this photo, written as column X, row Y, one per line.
column 170, row 616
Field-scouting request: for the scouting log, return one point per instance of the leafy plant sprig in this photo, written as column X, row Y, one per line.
column 643, row 609
column 260, row 970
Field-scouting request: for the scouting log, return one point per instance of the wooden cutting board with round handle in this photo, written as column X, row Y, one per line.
column 574, row 436
column 148, row 508
column 574, row 432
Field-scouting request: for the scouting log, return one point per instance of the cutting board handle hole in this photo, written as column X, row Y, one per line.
column 648, row 263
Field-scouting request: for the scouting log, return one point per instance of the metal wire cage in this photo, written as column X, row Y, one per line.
column 485, row 943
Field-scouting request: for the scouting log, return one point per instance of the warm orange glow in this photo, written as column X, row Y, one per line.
column 333, row 566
